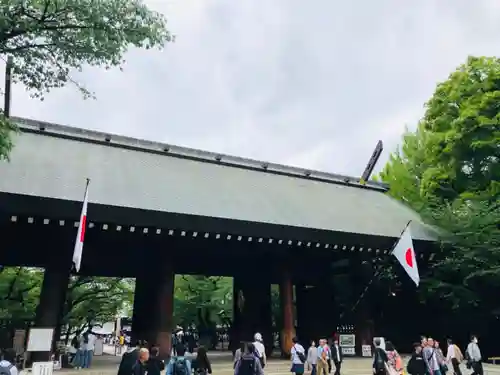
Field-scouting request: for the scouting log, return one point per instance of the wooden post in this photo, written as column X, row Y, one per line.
column 286, row 296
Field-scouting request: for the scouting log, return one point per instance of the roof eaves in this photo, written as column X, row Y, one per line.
column 86, row 135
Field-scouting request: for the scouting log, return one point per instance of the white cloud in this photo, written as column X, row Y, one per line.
column 314, row 84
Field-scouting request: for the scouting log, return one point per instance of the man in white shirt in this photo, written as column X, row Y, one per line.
column 260, row 349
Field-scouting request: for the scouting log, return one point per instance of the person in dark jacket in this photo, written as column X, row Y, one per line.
column 202, row 363
column 416, row 364
column 155, row 365
column 379, row 359
column 129, row 359
column 141, row 366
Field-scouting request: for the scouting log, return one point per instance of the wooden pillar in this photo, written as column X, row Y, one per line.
column 165, row 311
column 252, row 310
column 153, row 307
column 49, row 311
column 286, row 297
column 141, row 306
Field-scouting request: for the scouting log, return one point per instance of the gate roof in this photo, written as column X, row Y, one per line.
column 53, row 161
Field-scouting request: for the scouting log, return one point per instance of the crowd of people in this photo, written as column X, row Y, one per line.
column 427, row 358
column 250, row 359
column 139, row 360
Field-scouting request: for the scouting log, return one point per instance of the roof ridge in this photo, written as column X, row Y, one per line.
column 115, row 140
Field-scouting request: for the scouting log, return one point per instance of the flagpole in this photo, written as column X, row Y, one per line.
column 377, row 273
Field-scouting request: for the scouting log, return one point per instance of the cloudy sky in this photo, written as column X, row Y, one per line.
column 308, row 83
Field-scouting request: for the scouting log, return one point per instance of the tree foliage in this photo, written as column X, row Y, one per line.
column 449, row 171
column 6, row 129
column 89, row 300
column 52, row 39
column 203, row 301
column 19, row 292
column 96, row 300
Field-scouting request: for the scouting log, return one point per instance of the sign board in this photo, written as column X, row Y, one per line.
column 349, row 350
column 42, row 368
column 40, row 340
column 18, row 341
column 347, row 340
column 366, row 350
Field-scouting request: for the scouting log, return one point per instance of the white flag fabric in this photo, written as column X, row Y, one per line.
column 405, row 254
column 80, row 235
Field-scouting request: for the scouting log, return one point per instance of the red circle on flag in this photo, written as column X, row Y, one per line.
column 409, row 257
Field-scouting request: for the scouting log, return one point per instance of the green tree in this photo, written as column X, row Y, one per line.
column 19, row 290
column 89, row 301
column 95, row 300
column 204, row 302
column 6, row 129
column 449, row 171
column 51, row 39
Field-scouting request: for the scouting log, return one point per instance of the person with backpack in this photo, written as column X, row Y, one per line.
column 179, row 364
column 248, row 364
column 416, row 364
column 379, row 359
column 299, row 358
column 7, row 364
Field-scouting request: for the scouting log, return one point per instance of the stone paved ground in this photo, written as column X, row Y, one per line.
column 222, row 365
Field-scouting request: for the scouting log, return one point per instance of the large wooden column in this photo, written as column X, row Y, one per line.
column 286, row 297
column 165, row 311
column 50, row 308
column 141, row 310
column 153, row 307
column 252, row 310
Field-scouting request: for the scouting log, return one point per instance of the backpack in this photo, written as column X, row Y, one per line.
column 180, row 367
column 247, row 365
column 5, row 370
column 379, row 361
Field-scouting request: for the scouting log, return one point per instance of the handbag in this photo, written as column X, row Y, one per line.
column 444, row 368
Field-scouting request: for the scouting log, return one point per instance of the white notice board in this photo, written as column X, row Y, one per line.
column 40, row 339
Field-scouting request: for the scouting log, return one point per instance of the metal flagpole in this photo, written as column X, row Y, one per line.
column 377, row 273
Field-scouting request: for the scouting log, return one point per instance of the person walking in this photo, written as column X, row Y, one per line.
column 312, row 357
column 337, row 357
column 416, row 364
column 248, row 363
column 180, row 364
column 260, row 349
column 155, row 365
column 322, row 354
column 454, row 356
column 140, row 366
column 203, row 366
column 431, row 358
column 298, row 354
column 474, row 357
column 379, row 359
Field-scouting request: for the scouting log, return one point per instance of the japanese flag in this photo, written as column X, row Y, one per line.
column 405, row 254
column 80, row 235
